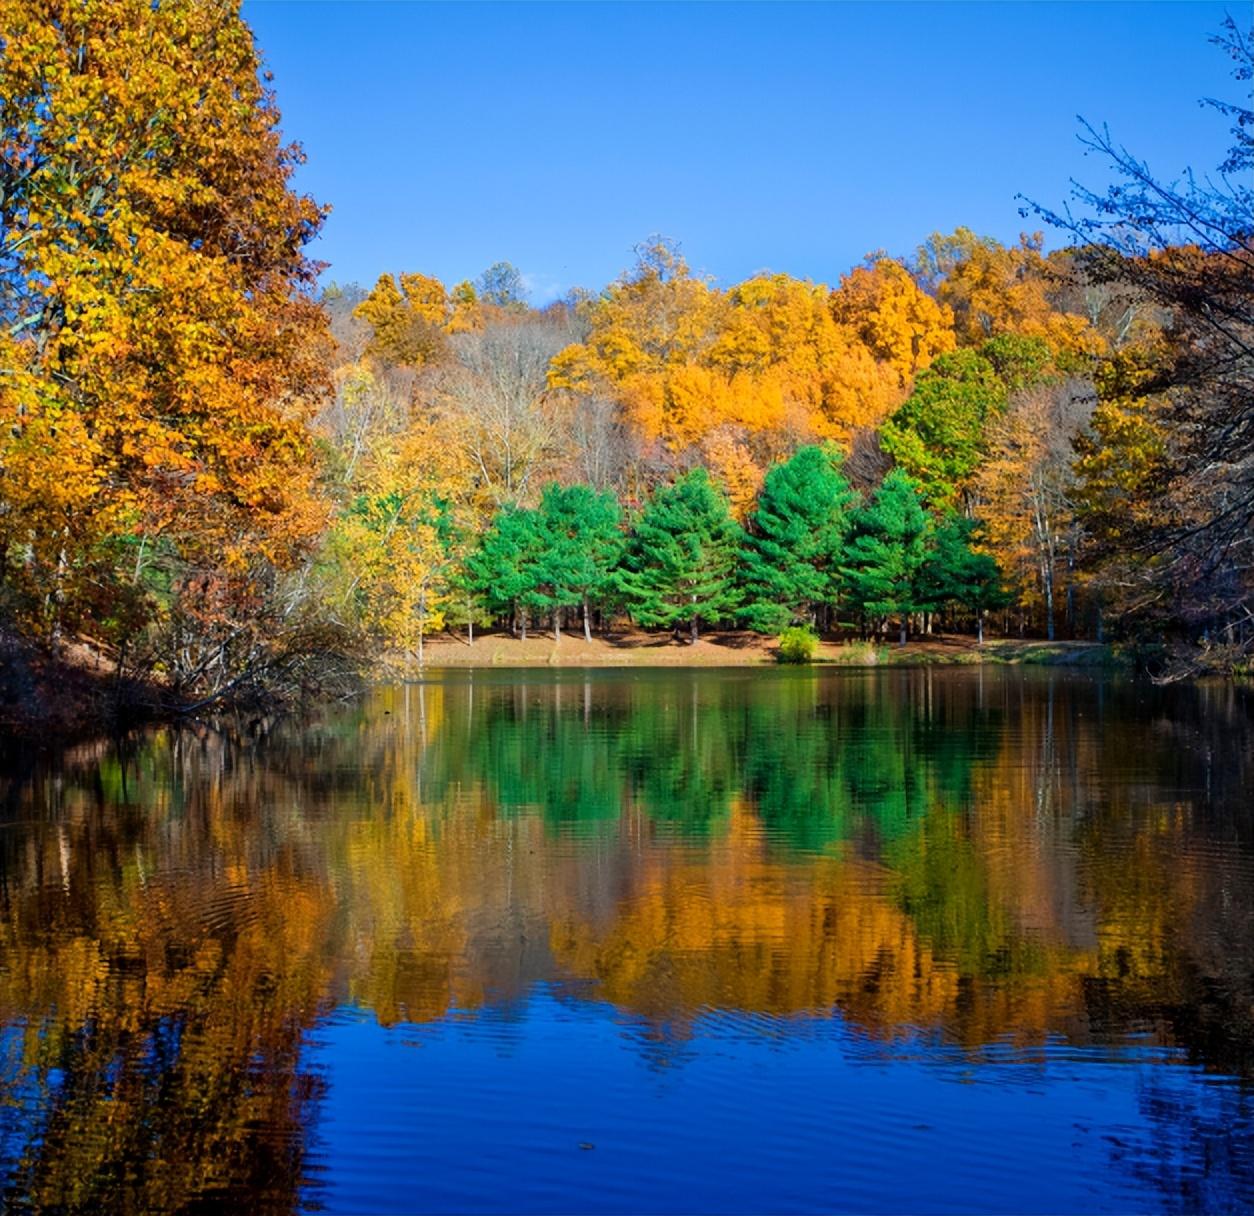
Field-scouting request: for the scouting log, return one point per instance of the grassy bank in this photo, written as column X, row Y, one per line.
column 739, row 649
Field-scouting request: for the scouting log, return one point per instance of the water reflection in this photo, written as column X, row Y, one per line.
column 994, row 869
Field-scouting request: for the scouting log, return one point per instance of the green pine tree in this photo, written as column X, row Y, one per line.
column 507, row 567
column 582, row 545
column 889, row 546
column 955, row 573
column 679, row 563
column 796, row 536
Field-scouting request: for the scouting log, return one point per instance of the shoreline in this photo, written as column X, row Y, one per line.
column 48, row 703
column 738, row 649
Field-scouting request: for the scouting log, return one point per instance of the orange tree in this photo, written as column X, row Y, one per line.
column 159, row 346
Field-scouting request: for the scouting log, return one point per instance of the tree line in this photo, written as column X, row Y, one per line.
column 811, row 552
column 213, row 470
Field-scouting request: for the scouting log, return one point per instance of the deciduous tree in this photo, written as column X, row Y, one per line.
column 160, row 349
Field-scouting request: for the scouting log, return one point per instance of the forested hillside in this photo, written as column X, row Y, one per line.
column 220, row 474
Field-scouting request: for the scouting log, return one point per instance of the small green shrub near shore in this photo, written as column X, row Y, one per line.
column 797, row 645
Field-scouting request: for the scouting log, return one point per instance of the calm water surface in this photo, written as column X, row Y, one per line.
column 717, row 941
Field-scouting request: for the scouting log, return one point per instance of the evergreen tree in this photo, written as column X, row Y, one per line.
column 679, row 563
column 954, row 573
column 795, row 540
column 581, row 546
column 507, row 567
column 885, row 557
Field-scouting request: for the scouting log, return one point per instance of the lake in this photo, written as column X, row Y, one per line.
column 713, row 941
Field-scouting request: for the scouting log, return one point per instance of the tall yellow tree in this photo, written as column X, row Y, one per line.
column 394, row 543
column 994, row 289
column 897, row 321
column 159, row 346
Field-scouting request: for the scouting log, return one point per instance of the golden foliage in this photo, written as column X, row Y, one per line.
column 166, row 355
column 993, row 289
column 897, row 321
column 765, row 358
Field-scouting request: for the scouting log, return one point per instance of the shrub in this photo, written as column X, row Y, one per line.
column 797, row 645
column 860, row 654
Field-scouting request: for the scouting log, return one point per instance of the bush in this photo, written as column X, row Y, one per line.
column 797, row 645
column 860, row 654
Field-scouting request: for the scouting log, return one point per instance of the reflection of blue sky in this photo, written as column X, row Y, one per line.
column 795, row 138
column 750, row 1114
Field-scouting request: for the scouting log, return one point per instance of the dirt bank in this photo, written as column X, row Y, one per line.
column 737, row 649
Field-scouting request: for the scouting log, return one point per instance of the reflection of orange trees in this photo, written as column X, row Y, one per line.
column 442, row 913
column 145, row 990
column 924, row 944
column 951, row 864
column 735, row 929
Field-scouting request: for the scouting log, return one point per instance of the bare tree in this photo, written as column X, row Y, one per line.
column 598, row 442
column 1025, row 487
column 495, row 395
column 1188, row 246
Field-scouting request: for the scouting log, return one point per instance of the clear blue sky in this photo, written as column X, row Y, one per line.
column 793, row 138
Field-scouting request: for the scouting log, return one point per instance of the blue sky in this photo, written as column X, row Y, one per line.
column 792, row 138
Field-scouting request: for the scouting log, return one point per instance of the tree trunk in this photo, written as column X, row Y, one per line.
column 1070, row 593
column 587, row 624
column 422, row 620
column 1049, row 600
column 557, row 623
column 979, row 627
column 903, row 628
column 694, row 628
column 522, row 621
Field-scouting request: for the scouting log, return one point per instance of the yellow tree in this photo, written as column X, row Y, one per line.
column 394, row 544
column 994, row 289
column 778, row 332
column 161, row 350
column 897, row 321
column 407, row 321
column 767, row 361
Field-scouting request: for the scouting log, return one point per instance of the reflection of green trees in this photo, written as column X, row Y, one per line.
column 546, row 761
column 942, row 884
column 817, row 760
column 573, row 761
column 796, row 776
column 678, row 756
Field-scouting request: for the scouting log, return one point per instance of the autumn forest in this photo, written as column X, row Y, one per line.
column 363, row 847
column 222, row 471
